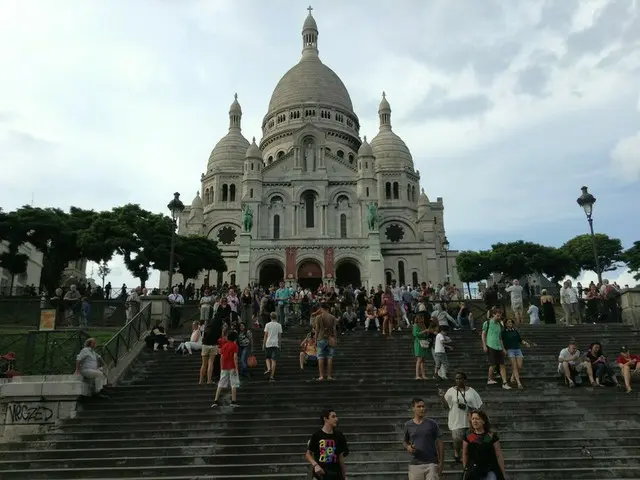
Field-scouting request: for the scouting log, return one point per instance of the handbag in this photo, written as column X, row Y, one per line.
column 252, row 362
column 425, row 344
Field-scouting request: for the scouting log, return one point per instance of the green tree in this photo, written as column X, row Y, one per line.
column 517, row 259
column 474, row 266
column 143, row 239
column 13, row 262
column 609, row 252
column 103, row 272
column 103, row 237
column 195, row 254
column 632, row 258
column 557, row 264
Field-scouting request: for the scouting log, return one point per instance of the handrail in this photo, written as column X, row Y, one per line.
column 125, row 338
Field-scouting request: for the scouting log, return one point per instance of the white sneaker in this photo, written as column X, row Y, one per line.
column 506, row 386
column 491, row 382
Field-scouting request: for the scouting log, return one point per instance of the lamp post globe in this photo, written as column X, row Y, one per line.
column 586, row 200
column 176, row 207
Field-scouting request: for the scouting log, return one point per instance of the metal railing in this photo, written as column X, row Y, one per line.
column 126, row 338
column 44, row 352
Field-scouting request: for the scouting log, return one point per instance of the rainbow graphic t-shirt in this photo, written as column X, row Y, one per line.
column 326, row 449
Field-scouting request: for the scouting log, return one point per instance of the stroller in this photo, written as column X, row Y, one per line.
column 8, row 365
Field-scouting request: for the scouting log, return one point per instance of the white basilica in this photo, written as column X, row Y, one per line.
column 325, row 205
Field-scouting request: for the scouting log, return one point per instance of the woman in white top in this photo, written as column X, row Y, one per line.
column 194, row 343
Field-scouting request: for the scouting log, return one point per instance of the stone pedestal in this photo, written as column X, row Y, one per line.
column 243, row 274
column 376, row 262
column 36, row 404
column 630, row 305
column 159, row 309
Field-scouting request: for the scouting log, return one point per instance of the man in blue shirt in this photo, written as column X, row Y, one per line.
column 282, row 299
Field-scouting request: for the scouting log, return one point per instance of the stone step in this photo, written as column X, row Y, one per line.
column 390, row 432
column 513, row 457
column 536, row 447
column 301, row 468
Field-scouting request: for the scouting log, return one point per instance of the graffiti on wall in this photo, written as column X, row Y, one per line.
column 26, row 413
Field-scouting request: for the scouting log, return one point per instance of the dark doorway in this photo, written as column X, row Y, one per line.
column 310, row 275
column 348, row 273
column 271, row 274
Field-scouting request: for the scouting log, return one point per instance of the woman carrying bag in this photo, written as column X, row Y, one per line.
column 482, row 456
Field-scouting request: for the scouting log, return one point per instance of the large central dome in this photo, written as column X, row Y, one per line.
column 310, row 81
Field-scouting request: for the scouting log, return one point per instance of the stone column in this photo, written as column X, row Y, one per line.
column 630, row 305
column 244, row 256
column 376, row 262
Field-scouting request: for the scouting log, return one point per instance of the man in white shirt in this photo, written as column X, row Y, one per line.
column 90, row 365
column 515, row 289
column 176, row 302
column 571, row 363
column 534, row 314
column 570, row 303
column 271, row 344
column 461, row 400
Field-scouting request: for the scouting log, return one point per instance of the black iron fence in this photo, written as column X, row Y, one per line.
column 44, row 352
column 127, row 337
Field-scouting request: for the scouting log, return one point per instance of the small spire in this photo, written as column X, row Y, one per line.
column 384, row 113
column 365, row 138
column 310, row 35
column 235, row 114
column 254, row 140
column 198, row 193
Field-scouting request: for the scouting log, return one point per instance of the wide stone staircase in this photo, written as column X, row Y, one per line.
column 159, row 424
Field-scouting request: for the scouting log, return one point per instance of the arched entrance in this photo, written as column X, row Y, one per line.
column 271, row 273
column 348, row 273
column 310, row 274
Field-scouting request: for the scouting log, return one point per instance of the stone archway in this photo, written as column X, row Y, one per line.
column 348, row 273
column 271, row 273
column 310, row 274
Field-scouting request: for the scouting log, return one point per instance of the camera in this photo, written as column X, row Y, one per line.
column 462, row 406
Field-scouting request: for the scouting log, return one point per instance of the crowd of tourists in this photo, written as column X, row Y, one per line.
column 224, row 337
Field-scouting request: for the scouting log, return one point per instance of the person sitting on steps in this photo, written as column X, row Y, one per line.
column 308, row 350
column 599, row 365
column 571, row 364
column 629, row 365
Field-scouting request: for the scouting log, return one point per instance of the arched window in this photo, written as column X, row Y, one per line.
column 401, row 272
column 343, row 226
column 413, row 193
column 396, row 191
column 387, row 278
column 435, row 220
column 276, row 227
column 340, row 154
column 280, row 154
column 232, row 279
column 270, row 160
column 367, row 191
column 206, row 196
column 232, row 193
column 351, row 158
column 225, row 192
column 387, row 191
column 251, row 193
column 310, row 207
column 219, row 279
column 409, row 192
column 414, row 279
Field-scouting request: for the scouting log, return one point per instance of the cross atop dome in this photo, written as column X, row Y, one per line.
column 310, row 9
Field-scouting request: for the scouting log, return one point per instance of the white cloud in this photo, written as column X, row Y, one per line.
column 621, row 277
column 104, row 98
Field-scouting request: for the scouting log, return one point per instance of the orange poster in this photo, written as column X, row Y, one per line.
column 48, row 319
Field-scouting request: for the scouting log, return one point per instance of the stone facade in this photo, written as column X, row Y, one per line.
column 309, row 183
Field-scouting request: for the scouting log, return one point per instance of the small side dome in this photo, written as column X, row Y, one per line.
column 424, row 200
column 365, row 149
column 253, row 151
column 197, row 201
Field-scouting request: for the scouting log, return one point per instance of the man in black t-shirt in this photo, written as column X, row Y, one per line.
column 326, row 450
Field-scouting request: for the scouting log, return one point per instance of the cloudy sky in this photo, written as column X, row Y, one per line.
column 508, row 110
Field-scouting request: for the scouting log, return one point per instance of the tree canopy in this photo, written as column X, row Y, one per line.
column 632, row 258
column 143, row 238
column 610, row 253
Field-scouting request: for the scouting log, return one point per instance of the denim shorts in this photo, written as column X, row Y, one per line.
column 514, row 353
column 324, row 350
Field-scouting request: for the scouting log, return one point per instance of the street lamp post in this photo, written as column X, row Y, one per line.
column 586, row 201
column 445, row 247
column 176, row 207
